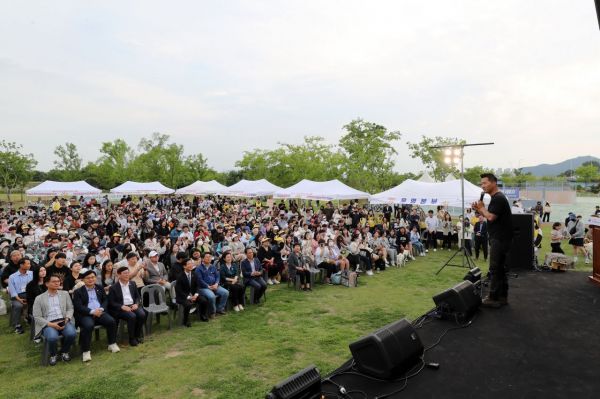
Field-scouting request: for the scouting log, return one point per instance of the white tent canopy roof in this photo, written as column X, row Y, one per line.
column 321, row 190
column 421, row 193
column 50, row 187
column 251, row 188
column 202, row 187
column 132, row 187
column 426, row 178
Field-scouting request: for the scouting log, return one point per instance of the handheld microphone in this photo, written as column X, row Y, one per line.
column 481, row 196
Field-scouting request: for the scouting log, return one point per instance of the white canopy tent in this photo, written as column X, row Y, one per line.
column 51, row 188
column 321, row 190
column 421, row 193
column 251, row 188
column 151, row 188
column 426, row 178
column 202, row 188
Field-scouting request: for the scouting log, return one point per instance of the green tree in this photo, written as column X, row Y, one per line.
column 434, row 158
column 587, row 173
column 368, row 149
column 473, row 174
column 112, row 168
column 16, row 168
column 68, row 163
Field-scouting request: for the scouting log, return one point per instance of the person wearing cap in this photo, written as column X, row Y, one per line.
column 209, row 285
column 17, row 290
column 156, row 273
column 252, row 271
column 124, row 304
column 91, row 305
column 53, row 315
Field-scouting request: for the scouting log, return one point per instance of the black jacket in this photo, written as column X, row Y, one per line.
column 183, row 288
column 115, row 296
column 81, row 300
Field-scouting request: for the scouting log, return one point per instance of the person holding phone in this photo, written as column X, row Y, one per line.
column 52, row 313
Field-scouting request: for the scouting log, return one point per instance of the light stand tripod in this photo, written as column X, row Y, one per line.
column 458, row 151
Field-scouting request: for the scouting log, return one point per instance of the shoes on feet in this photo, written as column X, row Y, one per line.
column 86, row 356
column 66, row 357
column 52, row 360
column 114, row 348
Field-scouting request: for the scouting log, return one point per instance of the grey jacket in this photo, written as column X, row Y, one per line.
column 41, row 309
column 154, row 276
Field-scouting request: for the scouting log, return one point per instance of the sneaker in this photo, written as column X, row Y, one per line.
column 490, row 303
column 66, row 357
column 270, row 282
column 275, row 281
column 587, row 260
column 422, row 254
column 86, row 356
column 358, row 270
column 220, row 312
column 575, row 259
column 411, row 256
column 369, row 272
column 427, row 251
column 114, row 348
column 52, row 360
column 240, row 307
column 37, row 340
column 236, row 308
column 133, row 342
column 434, row 250
column 19, row 330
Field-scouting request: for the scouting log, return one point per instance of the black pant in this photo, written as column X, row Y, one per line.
column 201, row 308
column 135, row 321
column 236, row 293
column 86, row 328
column 447, row 241
column 260, row 286
column 330, row 268
column 431, row 240
column 546, row 217
column 556, row 248
column 304, row 276
column 481, row 243
column 499, row 267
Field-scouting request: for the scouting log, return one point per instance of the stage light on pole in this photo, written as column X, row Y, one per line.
column 456, row 160
column 457, row 152
column 448, row 160
column 448, row 152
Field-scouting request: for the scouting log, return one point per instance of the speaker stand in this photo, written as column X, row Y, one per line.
column 467, row 261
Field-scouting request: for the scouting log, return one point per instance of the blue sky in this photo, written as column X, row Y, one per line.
column 224, row 77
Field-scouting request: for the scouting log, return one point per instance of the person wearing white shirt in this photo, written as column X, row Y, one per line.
column 432, row 223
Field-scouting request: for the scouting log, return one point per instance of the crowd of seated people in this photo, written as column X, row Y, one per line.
column 84, row 263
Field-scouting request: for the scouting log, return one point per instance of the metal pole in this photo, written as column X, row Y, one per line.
column 462, row 195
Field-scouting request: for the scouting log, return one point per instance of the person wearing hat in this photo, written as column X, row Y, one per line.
column 156, row 273
column 124, row 304
column 91, row 305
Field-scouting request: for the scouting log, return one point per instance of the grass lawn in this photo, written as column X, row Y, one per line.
column 237, row 355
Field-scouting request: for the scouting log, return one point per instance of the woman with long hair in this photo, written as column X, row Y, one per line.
column 230, row 273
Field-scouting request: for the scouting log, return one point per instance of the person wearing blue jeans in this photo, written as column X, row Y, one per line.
column 53, row 313
column 208, row 278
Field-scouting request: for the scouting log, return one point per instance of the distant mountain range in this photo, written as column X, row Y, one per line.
column 558, row 168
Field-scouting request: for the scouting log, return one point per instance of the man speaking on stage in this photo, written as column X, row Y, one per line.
column 500, row 231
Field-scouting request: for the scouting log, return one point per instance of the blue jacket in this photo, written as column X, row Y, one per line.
column 247, row 268
column 207, row 275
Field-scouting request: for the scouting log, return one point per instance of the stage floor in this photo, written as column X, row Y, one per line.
column 545, row 344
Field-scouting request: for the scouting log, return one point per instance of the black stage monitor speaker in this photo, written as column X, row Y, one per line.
column 597, row 2
column 460, row 301
column 388, row 352
column 305, row 384
column 521, row 251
